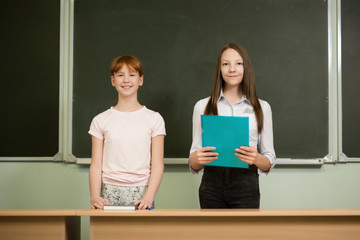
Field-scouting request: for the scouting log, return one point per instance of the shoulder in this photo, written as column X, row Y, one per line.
column 103, row 115
column 265, row 106
column 152, row 114
column 201, row 104
column 155, row 122
column 98, row 123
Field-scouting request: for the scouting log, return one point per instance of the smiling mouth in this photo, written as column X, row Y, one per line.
column 126, row 87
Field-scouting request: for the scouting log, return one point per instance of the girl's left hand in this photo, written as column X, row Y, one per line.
column 143, row 204
column 249, row 155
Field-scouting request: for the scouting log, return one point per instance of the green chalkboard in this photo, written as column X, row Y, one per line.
column 30, row 78
column 178, row 43
column 350, row 27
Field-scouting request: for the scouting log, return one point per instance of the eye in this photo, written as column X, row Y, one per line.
column 225, row 64
column 240, row 63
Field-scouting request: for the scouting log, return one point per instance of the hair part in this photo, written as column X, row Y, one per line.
column 247, row 86
column 131, row 62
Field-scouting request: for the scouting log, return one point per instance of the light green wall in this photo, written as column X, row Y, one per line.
column 330, row 186
column 59, row 185
column 40, row 185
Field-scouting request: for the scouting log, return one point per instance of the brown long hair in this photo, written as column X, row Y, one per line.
column 247, row 85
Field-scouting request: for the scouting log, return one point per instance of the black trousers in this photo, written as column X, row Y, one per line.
column 224, row 187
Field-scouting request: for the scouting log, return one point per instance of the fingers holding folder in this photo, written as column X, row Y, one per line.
column 202, row 156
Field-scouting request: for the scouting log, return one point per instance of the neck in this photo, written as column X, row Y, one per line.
column 127, row 104
column 232, row 94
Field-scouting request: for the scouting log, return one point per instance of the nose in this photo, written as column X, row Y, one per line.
column 126, row 78
column 232, row 68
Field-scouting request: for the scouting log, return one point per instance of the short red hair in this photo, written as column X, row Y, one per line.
column 130, row 61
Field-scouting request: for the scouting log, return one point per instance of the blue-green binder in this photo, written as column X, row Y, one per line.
column 225, row 133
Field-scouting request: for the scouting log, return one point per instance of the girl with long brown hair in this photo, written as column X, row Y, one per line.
column 233, row 94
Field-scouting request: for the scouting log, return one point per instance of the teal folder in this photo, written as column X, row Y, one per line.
column 225, row 133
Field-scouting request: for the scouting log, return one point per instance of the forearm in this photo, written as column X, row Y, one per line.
column 154, row 181
column 194, row 164
column 157, row 167
column 94, row 181
column 263, row 163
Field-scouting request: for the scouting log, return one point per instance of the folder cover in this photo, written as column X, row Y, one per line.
column 225, row 133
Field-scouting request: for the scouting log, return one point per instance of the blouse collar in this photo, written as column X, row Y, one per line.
column 222, row 97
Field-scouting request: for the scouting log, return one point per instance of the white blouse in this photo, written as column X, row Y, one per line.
column 263, row 142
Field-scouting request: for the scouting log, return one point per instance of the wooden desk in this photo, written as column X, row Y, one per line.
column 174, row 224
column 327, row 224
column 39, row 224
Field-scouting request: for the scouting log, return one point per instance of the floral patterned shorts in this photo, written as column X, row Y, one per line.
column 121, row 195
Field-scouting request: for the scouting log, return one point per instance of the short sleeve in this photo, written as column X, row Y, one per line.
column 95, row 128
column 158, row 127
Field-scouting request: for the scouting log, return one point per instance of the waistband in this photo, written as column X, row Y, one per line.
column 252, row 169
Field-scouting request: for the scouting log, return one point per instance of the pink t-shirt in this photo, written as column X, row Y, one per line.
column 127, row 144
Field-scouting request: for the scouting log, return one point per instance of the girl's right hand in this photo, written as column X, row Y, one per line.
column 202, row 156
column 98, row 203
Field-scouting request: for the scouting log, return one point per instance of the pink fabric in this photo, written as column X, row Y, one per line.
column 127, row 144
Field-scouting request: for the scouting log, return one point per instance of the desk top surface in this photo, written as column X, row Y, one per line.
column 223, row 212
column 183, row 212
column 38, row 212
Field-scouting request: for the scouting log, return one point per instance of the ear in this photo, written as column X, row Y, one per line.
column 141, row 81
column 112, row 80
